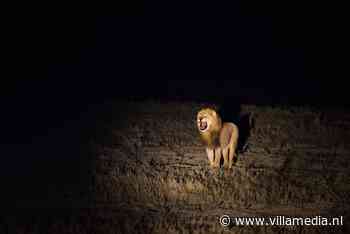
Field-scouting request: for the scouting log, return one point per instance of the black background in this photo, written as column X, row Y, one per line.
column 288, row 53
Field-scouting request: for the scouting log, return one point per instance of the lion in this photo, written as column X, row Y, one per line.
column 220, row 139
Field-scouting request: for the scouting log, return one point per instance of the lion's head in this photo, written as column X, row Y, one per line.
column 209, row 125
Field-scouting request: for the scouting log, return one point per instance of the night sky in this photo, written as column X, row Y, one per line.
column 61, row 59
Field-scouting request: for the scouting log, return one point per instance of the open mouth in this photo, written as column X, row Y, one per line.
column 203, row 125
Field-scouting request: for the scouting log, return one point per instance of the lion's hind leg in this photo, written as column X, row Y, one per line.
column 232, row 153
column 225, row 154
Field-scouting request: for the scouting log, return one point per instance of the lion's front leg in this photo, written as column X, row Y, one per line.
column 210, row 153
column 217, row 157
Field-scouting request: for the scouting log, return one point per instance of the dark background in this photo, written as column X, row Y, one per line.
column 62, row 59
column 273, row 53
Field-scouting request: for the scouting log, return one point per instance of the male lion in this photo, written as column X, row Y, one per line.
column 220, row 138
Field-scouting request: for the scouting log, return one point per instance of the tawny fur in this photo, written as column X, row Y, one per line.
column 219, row 138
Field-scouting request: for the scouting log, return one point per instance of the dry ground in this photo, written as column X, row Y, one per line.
column 150, row 173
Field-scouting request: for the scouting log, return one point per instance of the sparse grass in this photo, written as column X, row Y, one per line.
column 276, row 173
column 150, row 172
